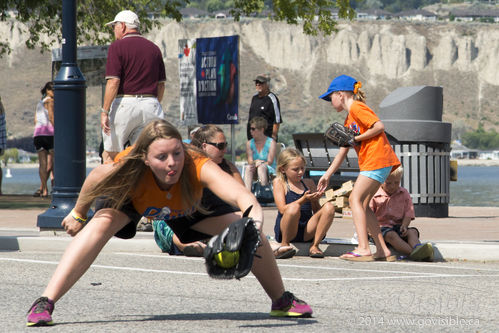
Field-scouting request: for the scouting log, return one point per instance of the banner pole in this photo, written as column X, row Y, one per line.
column 232, row 145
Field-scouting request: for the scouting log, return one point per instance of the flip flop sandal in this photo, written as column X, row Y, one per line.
column 37, row 193
column 316, row 254
column 289, row 252
column 352, row 256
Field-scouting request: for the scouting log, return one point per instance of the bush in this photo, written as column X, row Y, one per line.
column 10, row 154
column 482, row 140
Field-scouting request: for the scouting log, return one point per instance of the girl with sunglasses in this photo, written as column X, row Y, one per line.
column 211, row 139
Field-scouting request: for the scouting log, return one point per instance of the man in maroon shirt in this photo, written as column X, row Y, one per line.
column 135, row 74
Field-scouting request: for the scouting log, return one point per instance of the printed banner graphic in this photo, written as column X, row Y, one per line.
column 187, row 74
column 217, row 80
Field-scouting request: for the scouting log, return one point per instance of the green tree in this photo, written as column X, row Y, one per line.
column 43, row 17
column 10, row 154
column 214, row 5
column 315, row 15
column 481, row 139
column 393, row 6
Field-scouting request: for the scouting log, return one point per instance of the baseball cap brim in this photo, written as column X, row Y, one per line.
column 327, row 95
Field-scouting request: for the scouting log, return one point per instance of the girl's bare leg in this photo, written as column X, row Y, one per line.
column 289, row 223
column 264, row 267
column 83, row 250
column 50, row 168
column 266, row 271
column 42, row 171
column 325, row 219
column 375, row 230
column 363, row 216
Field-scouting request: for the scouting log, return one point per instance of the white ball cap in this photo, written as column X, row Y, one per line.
column 126, row 16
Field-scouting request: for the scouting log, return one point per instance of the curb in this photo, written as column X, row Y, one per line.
column 444, row 250
column 59, row 244
column 332, row 247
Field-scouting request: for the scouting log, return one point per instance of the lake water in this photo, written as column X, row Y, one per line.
column 476, row 185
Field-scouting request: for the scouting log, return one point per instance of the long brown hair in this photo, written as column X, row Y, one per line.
column 120, row 184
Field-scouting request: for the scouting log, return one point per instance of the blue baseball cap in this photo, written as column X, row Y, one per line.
column 340, row 83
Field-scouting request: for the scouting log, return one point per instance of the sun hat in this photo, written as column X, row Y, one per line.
column 340, row 83
column 126, row 16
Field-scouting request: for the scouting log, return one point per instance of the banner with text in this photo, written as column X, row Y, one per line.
column 217, row 80
column 187, row 74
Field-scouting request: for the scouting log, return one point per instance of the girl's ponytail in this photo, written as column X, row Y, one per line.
column 360, row 96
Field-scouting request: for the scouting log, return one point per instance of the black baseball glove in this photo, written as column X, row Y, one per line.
column 237, row 243
column 340, row 135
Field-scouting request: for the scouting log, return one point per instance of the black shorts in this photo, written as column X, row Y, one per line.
column 43, row 143
column 181, row 226
column 396, row 228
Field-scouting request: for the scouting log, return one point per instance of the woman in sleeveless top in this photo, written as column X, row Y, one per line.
column 260, row 152
column 300, row 217
column 43, row 138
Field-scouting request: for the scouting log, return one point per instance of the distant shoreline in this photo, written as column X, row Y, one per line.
column 35, row 165
column 477, row 162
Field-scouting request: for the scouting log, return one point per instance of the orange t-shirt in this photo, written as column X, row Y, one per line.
column 152, row 202
column 376, row 152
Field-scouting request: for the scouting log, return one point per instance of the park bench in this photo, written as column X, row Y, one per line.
column 319, row 154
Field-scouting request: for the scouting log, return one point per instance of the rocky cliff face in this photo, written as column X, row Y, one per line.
column 462, row 58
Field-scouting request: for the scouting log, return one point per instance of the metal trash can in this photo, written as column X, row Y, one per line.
column 413, row 123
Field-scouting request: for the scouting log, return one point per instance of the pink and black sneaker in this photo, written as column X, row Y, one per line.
column 290, row 306
column 40, row 313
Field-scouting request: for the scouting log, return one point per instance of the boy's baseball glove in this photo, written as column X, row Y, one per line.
column 340, row 135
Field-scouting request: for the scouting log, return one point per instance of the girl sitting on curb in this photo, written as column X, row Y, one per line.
column 300, row 217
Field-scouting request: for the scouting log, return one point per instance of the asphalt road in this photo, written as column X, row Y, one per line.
column 130, row 292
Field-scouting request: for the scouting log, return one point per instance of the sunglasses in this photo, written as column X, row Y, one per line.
column 258, row 82
column 252, row 128
column 220, row 145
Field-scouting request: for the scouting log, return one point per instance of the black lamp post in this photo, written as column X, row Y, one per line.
column 69, row 124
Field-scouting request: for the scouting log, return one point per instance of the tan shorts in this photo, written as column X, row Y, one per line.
column 127, row 117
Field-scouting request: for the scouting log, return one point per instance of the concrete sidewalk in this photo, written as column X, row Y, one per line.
column 469, row 233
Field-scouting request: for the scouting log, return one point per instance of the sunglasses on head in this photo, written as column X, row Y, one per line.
column 219, row 145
